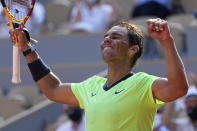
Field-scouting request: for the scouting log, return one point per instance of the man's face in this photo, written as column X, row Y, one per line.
column 115, row 44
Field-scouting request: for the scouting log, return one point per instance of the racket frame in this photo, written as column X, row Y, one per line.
column 10, row 16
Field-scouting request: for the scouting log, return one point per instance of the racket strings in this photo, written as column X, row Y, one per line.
column 18, row 8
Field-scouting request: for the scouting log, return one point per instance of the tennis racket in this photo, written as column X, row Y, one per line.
column 17, row 11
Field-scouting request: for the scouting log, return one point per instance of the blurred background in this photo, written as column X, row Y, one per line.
column 69, row 33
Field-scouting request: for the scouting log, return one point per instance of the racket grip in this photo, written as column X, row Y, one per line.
column 16, row 66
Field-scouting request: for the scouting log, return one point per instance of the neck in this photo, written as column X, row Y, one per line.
column 116, row 71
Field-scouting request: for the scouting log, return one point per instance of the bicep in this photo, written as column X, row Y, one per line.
column 56, row 91
column 64, row 94
column 161, row 90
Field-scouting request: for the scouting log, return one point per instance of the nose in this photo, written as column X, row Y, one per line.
column 107, row 39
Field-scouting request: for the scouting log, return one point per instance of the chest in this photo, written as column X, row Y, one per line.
column 120, row 101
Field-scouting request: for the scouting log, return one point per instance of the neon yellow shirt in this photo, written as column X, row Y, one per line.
column 127, row 106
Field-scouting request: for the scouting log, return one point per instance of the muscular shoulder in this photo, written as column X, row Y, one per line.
column 90, row 81
column 143, row 75
column 143, row 79
column 96, row 78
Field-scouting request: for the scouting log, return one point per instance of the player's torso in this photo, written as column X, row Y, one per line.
column 117, row 106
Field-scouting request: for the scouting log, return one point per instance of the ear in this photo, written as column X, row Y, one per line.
column 133, row 49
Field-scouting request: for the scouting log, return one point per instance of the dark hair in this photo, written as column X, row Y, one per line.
column 135, row 38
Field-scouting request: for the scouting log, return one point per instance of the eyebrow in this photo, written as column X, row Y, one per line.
column 114, row 33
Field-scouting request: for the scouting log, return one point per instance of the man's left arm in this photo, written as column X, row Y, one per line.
column 175, row 85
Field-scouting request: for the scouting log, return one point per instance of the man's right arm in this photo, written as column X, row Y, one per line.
column 49, row 84
column 52, row 87
column 57, row 91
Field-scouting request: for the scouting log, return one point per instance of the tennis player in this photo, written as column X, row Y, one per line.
column 123, row 101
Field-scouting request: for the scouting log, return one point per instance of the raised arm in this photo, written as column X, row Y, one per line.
column 175, row 85
column 48, row 83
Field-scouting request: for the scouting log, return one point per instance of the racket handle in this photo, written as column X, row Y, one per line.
column 16, row 66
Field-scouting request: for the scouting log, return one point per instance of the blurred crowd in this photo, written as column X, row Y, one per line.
column 96, row 16
column 92, row 16
column 180, row 115
column 76, row 119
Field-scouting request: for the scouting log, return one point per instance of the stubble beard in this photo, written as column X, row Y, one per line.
column 108, row 56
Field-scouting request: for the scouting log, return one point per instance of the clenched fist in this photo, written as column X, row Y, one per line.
column 19, row 37
column 158, row 29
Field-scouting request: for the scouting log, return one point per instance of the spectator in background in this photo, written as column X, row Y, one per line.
column 92, row 16
column 37, row 19
column 158, row 124
column 76, row 120
column 191, row 110
column 158, row 8
column 189, row 122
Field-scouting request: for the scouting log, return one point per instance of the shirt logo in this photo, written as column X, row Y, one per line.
column 93, row 94
column 117, row 92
